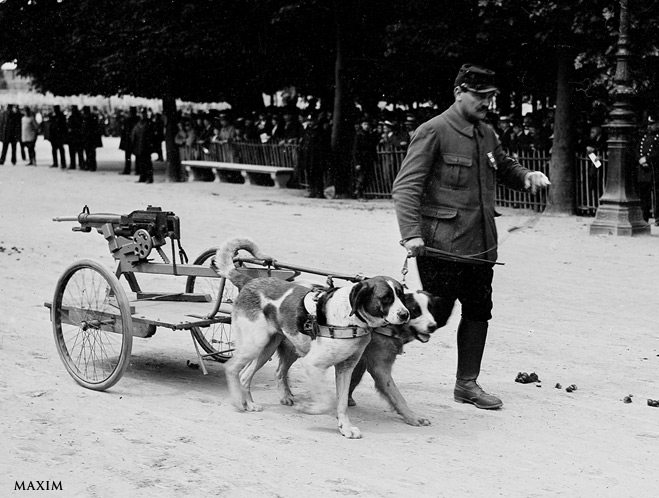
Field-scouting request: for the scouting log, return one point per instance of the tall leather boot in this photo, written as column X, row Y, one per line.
column 471, row 343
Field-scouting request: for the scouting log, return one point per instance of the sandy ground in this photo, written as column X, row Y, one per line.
column 574, row 308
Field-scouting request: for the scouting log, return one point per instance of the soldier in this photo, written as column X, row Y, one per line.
column 444, row 199
column 648, row 175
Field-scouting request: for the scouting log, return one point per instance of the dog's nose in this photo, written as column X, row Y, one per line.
column 432, row 326
column 404, row 315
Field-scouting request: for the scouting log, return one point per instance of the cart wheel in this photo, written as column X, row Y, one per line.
column 215, row 339
column 92, row 325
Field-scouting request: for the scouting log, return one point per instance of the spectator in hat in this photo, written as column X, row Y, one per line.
column 125, row 143
column 91, row 136
column 292, row 127
column 365, row 156
column 158, row 135
column 315, row 154
column 506, row 133
column 444, row 201
column 410, row 128
column 55, row 133
column 142, row 140
column 648, row 171
column 10, row 132
column 74, row 135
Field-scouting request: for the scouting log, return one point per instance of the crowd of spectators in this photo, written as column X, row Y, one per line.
column 142, row 136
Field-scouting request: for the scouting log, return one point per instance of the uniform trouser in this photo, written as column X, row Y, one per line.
column 469, row 283
column 5, row 147
column 646, row 189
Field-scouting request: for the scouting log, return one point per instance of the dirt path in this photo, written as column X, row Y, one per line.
column 573, row 308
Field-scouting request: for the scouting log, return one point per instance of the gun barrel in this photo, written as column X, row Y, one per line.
column 93, row 219
column 66, row 218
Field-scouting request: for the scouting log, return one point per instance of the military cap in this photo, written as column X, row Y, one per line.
column 475, row 79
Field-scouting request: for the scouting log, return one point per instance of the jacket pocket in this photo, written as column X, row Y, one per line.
column 438, row 226
column 456, row 171
column 441, row 212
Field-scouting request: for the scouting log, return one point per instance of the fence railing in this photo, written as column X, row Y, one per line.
column 589, row 179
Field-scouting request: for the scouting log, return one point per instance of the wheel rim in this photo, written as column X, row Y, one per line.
column 92, row 325
column 216, row 339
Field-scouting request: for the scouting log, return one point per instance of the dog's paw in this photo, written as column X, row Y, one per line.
column 417, row 421
column 287, row 400
column 350, row 432
column 253, row 407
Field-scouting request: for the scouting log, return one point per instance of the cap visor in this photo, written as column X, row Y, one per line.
column 487, row 89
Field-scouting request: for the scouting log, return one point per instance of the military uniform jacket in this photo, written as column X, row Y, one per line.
column 649, row 148
column 444, row 192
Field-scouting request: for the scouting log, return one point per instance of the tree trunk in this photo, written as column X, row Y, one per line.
column 562, row 193
column 174, row 170
column 342, row 126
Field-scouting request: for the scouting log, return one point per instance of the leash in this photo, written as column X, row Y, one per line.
column 468, row 258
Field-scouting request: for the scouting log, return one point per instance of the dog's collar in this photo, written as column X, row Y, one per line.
column 348, row 332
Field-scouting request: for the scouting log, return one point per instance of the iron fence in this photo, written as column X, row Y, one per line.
column 589, row 179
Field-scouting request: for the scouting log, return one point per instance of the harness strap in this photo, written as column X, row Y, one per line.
column 314, row 329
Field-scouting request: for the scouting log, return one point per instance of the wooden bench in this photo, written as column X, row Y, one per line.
column 280, row 175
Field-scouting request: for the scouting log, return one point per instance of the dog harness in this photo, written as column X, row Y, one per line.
column 315, row 329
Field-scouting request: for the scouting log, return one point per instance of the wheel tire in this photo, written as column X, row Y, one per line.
column 92, row 325
column 215, row 339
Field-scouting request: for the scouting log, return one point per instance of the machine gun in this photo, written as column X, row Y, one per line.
column 133, row 236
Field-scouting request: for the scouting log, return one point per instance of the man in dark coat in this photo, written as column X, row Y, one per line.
column 55, row 133
column 142, row 140
column 125, row 143
column 91, row 136
column 10, row 132
column 315, row 154
column 365, row 156
column 648, row 171
column 444, row 200
column 74, row 136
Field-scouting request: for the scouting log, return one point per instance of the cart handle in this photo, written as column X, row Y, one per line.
column 287, row 266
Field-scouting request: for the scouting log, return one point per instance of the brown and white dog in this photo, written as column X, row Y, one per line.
column 387, row 343
column 268, row 310
column 380, row 354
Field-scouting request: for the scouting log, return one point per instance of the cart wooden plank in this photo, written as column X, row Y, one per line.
column 179, row 314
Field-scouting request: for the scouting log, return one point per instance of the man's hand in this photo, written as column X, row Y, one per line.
column 413, row 246
column 536, row 180
column 643, row 162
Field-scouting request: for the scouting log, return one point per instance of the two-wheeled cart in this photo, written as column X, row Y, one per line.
column 95, row 317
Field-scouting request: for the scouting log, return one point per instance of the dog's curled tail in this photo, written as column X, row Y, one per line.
column 223, row 261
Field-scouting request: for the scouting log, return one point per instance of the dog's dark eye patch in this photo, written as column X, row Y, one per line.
column 412, row 306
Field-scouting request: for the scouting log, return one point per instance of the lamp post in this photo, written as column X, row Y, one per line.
column 619, row 211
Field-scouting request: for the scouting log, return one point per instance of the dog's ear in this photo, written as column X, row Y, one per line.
column 358, row 296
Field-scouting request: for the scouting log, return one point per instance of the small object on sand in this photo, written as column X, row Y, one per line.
column 194, row 366
column 525, row 378
column 653, row 402
column 558, row 385
column 571, row 387
column 627, row 399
